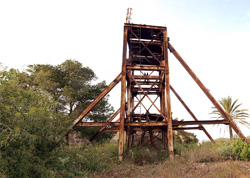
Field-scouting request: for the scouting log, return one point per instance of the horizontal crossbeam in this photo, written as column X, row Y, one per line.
column 145, row 124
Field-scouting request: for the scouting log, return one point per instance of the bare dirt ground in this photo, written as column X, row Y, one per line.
column 179, row 168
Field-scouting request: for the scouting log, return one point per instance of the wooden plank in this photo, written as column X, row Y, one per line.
column 207, row 93
column 98, row 99
column 190, row 112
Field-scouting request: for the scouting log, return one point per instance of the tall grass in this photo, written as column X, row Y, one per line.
column 145, row 155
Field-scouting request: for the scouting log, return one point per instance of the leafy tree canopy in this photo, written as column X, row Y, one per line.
column 30, row 130
column 71, row 86
column 35, row 112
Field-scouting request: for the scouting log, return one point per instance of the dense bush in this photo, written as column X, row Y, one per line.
column 237, row 150
column 32, row 136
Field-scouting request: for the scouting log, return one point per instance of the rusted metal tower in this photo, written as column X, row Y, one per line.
column 145, row 91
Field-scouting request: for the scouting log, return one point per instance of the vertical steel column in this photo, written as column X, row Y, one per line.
column 132, row 106
column 123, row 93
column 167, row 84
column 128, row 137
column 164, row 111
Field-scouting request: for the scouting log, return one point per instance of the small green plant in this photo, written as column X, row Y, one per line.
column 241, row 150
column 226, row 151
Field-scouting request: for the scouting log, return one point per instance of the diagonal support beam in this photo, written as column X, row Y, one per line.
column 146, row 93
column 149, row 42
column 154, row 102
column 207, row 93
column 191, row 113
column 98, row 99
column 145, row 46
column 149, row 98
column 141, row 103
column 101, row 129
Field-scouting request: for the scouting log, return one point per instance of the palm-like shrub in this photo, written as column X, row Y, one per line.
column 238, row 116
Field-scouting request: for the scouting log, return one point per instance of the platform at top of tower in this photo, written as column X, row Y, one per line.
column 144, row 26
column 146, row 32
column 145, row 44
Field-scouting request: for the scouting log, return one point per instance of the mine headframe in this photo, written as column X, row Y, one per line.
column 145, row 92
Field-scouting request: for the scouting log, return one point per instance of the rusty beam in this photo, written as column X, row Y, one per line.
column 168, row 102
column 148, row 91
column 145, row 77
column 187, row 128
column 123, row 97
column 98, row 99
column 150, row 68
column 129, row 99
column 111, row 130
column 176, row 123
column 145, row 26
column 146, row 83
column 98, row 124
column 145, row 46
column 101, row 129
column 148, row 98
column 207, row 93
column 190, row 112
column 144, row 124
column 154, row 129
column 136, row 89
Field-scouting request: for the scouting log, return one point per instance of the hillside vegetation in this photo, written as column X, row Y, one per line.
column 223, row 159
column 37, row 107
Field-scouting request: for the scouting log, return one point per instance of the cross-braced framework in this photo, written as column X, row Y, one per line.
column 145, row 92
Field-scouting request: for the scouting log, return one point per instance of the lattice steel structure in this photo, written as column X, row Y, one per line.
column 145, row 87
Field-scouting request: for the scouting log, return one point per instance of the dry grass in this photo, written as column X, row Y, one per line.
column 197, row 161
column 181, row 168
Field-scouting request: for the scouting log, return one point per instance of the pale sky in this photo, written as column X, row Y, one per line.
column 212, row 36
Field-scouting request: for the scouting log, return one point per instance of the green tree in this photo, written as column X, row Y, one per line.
column 231, row 108
column 183, row 137
column 71, row 85
column 30, row 130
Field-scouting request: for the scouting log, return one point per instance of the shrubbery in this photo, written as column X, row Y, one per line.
column 32, row 136
column 237, row 150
